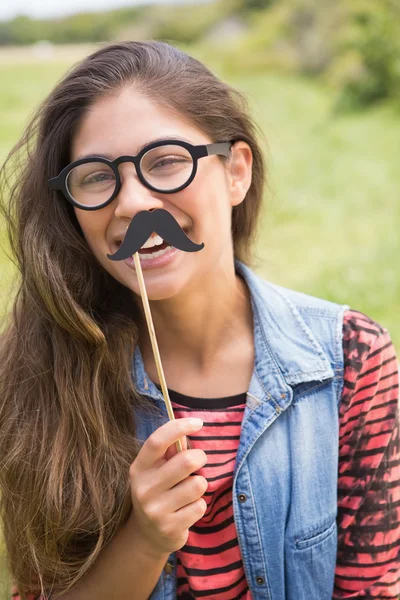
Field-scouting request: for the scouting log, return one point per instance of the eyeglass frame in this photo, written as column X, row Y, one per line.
column 59, row 183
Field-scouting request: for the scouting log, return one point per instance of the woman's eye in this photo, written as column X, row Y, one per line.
column 170, row 160
column 98, row 178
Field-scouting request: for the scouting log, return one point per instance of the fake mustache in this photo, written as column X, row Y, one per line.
column 142, row 226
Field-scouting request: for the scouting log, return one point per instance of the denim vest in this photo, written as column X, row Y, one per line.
column 286, row 470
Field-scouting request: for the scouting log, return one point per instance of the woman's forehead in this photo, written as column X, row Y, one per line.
column 124, row 123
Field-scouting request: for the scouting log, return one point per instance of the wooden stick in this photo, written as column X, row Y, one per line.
column 154, row 345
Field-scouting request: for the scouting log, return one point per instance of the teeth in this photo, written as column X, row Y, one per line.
column 144, row 257
column 153, row 241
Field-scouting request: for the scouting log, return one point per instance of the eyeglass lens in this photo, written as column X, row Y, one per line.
column 164, row 167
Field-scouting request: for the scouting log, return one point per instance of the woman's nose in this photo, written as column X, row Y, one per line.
column 134, row 196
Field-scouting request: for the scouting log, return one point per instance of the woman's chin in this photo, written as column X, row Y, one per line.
column 160, row 288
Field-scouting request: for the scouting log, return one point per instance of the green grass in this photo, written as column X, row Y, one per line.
column 331, row 225
column 4, row 581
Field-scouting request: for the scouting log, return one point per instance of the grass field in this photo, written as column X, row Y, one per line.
column 331, row 225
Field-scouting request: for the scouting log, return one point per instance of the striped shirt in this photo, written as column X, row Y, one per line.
column 210, row 567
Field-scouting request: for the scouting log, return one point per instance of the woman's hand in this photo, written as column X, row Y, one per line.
column 166, row 499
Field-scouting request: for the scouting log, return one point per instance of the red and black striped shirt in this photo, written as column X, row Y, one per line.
column 368, row 565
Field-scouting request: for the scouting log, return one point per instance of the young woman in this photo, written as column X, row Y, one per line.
column 290, row 488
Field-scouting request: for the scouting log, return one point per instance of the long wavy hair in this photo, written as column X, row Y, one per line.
column 67, row 428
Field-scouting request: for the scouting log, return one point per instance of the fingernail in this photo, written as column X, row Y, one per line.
column 197, row 423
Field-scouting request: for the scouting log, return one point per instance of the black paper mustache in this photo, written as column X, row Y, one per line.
column 142, row 226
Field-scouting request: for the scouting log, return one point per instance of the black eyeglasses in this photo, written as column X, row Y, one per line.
column 165, row 166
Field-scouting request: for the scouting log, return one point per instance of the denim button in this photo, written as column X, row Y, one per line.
column 169, row 567
column 242, row 497
column 260, row 580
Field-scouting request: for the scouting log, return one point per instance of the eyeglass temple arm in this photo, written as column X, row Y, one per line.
column 54, row 183
column 219, row 148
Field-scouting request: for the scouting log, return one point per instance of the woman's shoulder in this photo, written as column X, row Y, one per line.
column 278, row 295
column 366, row 339
column 356, row 321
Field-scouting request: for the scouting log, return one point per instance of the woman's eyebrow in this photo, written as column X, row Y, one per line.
column 159, row 139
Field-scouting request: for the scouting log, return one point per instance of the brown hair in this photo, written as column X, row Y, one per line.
column 67, row 429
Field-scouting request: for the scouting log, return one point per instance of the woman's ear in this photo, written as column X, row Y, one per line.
column 239, row 171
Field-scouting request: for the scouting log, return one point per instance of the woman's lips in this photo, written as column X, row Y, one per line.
column 153, row 263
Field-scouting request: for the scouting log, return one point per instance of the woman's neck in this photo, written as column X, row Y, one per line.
column 201, row 330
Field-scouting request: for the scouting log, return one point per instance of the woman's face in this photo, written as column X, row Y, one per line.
column 121, row 125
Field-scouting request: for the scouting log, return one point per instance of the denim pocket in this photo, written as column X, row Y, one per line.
column 316, row 537
column 310, row 563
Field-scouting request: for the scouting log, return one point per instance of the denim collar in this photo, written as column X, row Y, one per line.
column 286, row 351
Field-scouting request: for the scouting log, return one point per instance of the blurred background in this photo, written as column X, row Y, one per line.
column 322, row 78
